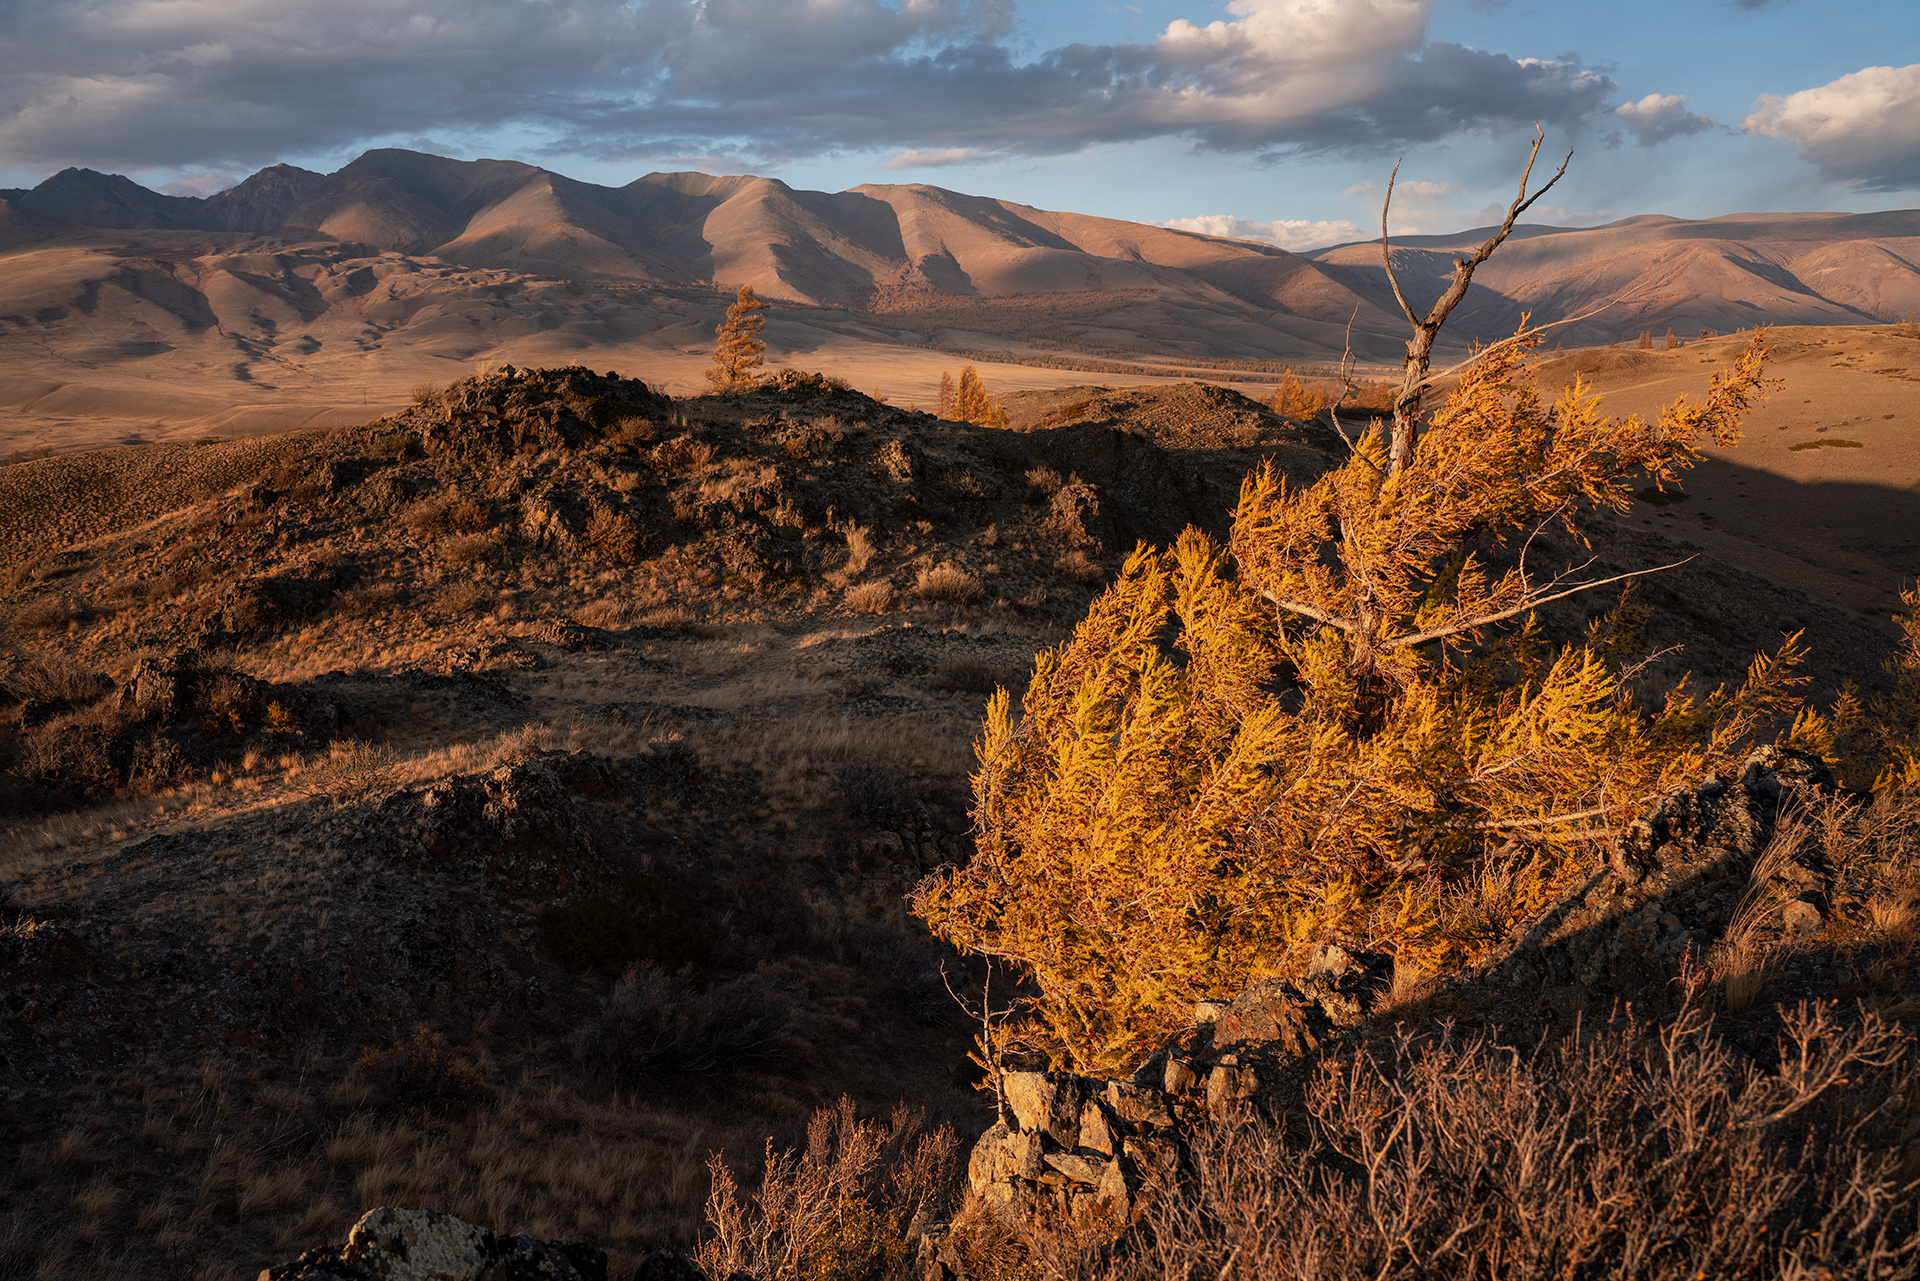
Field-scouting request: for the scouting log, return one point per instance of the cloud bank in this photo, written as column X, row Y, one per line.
column 219, row 84
column 1862, row 129
column 1293, row 234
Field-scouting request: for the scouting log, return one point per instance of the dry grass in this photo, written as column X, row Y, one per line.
column 48, row 614
column 860, row 551
column 842, row 1208
column 1080, row 567
column 870, row 598
column 1655, row 1152
column 680, row 456
column 946, row 585
column 463, row 600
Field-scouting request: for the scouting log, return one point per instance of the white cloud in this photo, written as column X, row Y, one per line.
column 1412, row 193
column 1292, row 234
column 1658, row 117
column 1863, row 128
column 200, row 184
column 938, row 157
column 228, row 83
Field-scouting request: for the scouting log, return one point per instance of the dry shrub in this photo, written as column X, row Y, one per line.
column 1650, row 1153
column 946, row 585
column 633, row 429
column 367, row 601
column 680, row 455
column 421, row 1076
column 471, row 549
column 49, row 614
column 655, row 1024
column 844, row 1208
column 76, row 747
column 55, row 680
column 437, row 516
column 1080, row 567
column 426, row 393
column 870, row 598
column 859, row 551
column 1043, row 483
column 460, row 600
column 614, row 536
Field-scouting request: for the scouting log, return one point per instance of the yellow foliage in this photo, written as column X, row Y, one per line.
column 1291, row 400
column 740, row 350
column 971, row 403
column 1352, row 687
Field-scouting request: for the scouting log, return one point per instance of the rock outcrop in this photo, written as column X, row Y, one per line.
column 390, row 1244
column 1078, row 1143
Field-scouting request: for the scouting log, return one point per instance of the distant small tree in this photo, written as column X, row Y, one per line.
column 946, row 393
column 972, row 405
column 740, row 350
column 1291, row 400
column 1646, row 341
column 1673, row 339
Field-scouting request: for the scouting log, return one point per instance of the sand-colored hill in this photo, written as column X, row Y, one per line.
column 1669, row 273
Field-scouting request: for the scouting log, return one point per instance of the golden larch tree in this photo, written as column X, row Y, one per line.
column 740, row 350
column 971, row 403
column 1246, row 749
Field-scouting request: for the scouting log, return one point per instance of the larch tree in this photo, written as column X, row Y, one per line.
column 946, row 394
column 1246, row 749
column 971, row 404
column 740, row 350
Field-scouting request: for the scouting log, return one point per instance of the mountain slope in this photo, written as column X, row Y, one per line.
column 1721, row 274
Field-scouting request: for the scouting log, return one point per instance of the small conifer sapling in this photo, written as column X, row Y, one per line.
column 740, row 350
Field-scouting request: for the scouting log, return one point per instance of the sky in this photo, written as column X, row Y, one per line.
column 1278, row 120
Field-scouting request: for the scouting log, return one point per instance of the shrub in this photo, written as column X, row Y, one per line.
column 420, row 1076
column 1656, row 1153
column 679, row 456
column 374, row 598
column 842, row 1209
column 55, row 680
column 471, row 549
column 946, row 585
column 656, row 1024
column 426, row 393
column 48, row 614
column 614, row 536
column 870, row 598
column 459, row 600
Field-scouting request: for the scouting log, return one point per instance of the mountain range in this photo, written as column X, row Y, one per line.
column 297, row 296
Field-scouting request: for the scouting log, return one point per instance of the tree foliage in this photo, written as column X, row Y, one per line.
column 972, row 405
column 740, row 350
column 1354, row 685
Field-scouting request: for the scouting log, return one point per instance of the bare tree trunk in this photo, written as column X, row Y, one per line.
column 1413, row 381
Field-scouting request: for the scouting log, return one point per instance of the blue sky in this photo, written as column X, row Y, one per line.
column 1275, row 119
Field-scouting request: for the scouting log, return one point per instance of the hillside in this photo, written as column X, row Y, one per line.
column 347, row 772
column 302, row 299
column 1719, row 274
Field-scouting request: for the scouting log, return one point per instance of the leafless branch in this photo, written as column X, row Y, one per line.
column 1531, row 602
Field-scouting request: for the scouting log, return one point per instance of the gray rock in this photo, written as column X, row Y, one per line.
column 1047, row 1102
column 393, row 1244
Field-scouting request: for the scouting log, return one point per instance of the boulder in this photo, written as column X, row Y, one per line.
column 392, row 1244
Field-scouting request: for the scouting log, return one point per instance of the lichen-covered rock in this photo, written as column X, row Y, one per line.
column 391, row 1244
